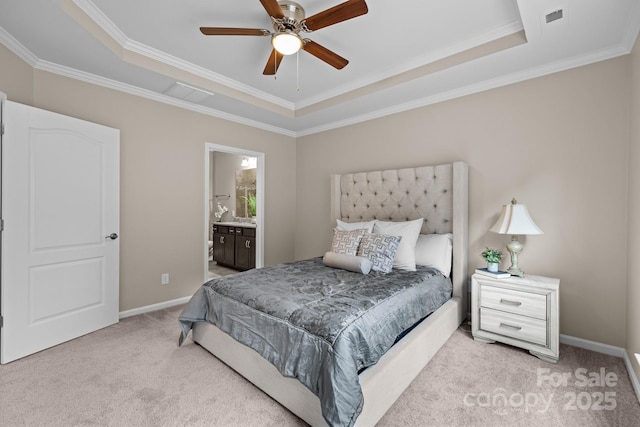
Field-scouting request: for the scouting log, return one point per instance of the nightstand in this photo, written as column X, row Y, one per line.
column 519, row 311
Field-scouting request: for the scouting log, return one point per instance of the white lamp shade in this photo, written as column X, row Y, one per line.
column 514, row 219
column 286, row 43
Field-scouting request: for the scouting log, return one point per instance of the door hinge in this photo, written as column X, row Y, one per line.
column 1, row 128
column 1, row 224
column 1, row 321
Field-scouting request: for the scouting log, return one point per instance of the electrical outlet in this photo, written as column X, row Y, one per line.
column 165, row 278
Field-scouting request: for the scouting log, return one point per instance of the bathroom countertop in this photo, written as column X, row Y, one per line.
column 237, row 224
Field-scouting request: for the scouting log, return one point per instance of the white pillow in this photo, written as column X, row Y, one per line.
column 405, row 258
column 349, row 226
column 434, row 250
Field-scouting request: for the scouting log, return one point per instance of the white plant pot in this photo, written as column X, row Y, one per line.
column 493, row 266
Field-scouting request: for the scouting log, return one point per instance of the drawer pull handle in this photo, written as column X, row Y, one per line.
column 509, row 302
column 506, row 325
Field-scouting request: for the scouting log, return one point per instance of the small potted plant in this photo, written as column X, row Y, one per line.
column 493, row 258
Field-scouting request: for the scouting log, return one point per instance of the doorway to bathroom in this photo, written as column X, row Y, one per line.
column 234, row 207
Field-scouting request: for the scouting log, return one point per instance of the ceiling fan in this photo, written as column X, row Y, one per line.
column 289, row 20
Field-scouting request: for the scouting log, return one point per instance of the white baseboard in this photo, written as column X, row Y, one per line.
column 610, row 350
column 153, row 307
column 632, row 375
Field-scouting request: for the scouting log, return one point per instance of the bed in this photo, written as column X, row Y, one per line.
column 435, row 194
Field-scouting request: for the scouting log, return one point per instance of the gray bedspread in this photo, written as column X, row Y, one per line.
column 319, row 324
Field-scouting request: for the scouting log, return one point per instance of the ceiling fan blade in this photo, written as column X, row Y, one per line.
column 342, row 12
column 222, row 31
column 324, row 54
column 273, row 8
column 273, row 63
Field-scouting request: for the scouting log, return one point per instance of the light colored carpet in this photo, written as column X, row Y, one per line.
column 133, row 374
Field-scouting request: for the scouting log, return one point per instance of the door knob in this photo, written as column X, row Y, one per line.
column 112, row 236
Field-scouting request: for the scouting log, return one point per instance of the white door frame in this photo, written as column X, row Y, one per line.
column 208, row 148
column 3, row 97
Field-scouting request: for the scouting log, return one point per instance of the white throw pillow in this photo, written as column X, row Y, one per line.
column 405, row 258
column 380, row 249
column 349, row 226
column 357, row 264
column 434, row 250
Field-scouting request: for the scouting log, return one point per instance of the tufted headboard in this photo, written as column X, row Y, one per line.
column 439, row 194
column 400, row 195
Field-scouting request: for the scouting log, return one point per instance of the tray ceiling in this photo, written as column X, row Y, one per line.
column 401, row 55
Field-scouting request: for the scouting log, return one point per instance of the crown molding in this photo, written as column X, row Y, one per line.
column 442, row 53
column 633, row 27
column 17, row 48
column 497, row 82
column 623, row 48
column 154, row 96
column 92, row 12
column 31, row 59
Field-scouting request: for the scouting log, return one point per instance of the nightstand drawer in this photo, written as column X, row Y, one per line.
column 514, row 301
column 519, row 327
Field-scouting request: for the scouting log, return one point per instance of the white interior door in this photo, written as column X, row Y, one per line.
column 60, row 206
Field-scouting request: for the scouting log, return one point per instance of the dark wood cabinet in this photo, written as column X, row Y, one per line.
column 246, row 249
column 224, row 244
column 234, row 247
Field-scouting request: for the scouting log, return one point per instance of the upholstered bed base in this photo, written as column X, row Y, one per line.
column 382, row 383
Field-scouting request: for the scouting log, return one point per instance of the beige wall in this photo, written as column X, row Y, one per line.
column 162, row 178
column 16, row 77
column 558, row 144
column 633, row 272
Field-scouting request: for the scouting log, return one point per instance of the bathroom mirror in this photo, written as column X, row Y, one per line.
column 246, row 193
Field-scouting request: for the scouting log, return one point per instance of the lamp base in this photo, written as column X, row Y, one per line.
column 515, row 272
column 515, row 247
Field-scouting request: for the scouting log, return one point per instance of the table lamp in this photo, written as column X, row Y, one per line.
column 515, row 220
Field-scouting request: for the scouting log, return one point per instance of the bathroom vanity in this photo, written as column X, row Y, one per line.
column 234, row 244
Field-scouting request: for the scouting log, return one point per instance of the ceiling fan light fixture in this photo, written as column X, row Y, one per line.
column 286, row 42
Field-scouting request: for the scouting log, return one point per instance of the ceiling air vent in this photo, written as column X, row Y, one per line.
column 553, row 16
column 187, row 92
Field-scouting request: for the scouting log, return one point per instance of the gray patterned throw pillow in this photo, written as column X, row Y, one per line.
column 380, row 249
column 347, row 242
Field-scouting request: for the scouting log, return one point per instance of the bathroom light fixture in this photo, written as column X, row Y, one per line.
column 515, row 220
column 286, row 42
column 249, row 162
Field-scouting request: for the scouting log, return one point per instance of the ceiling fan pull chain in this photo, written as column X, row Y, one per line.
column 298, row 71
